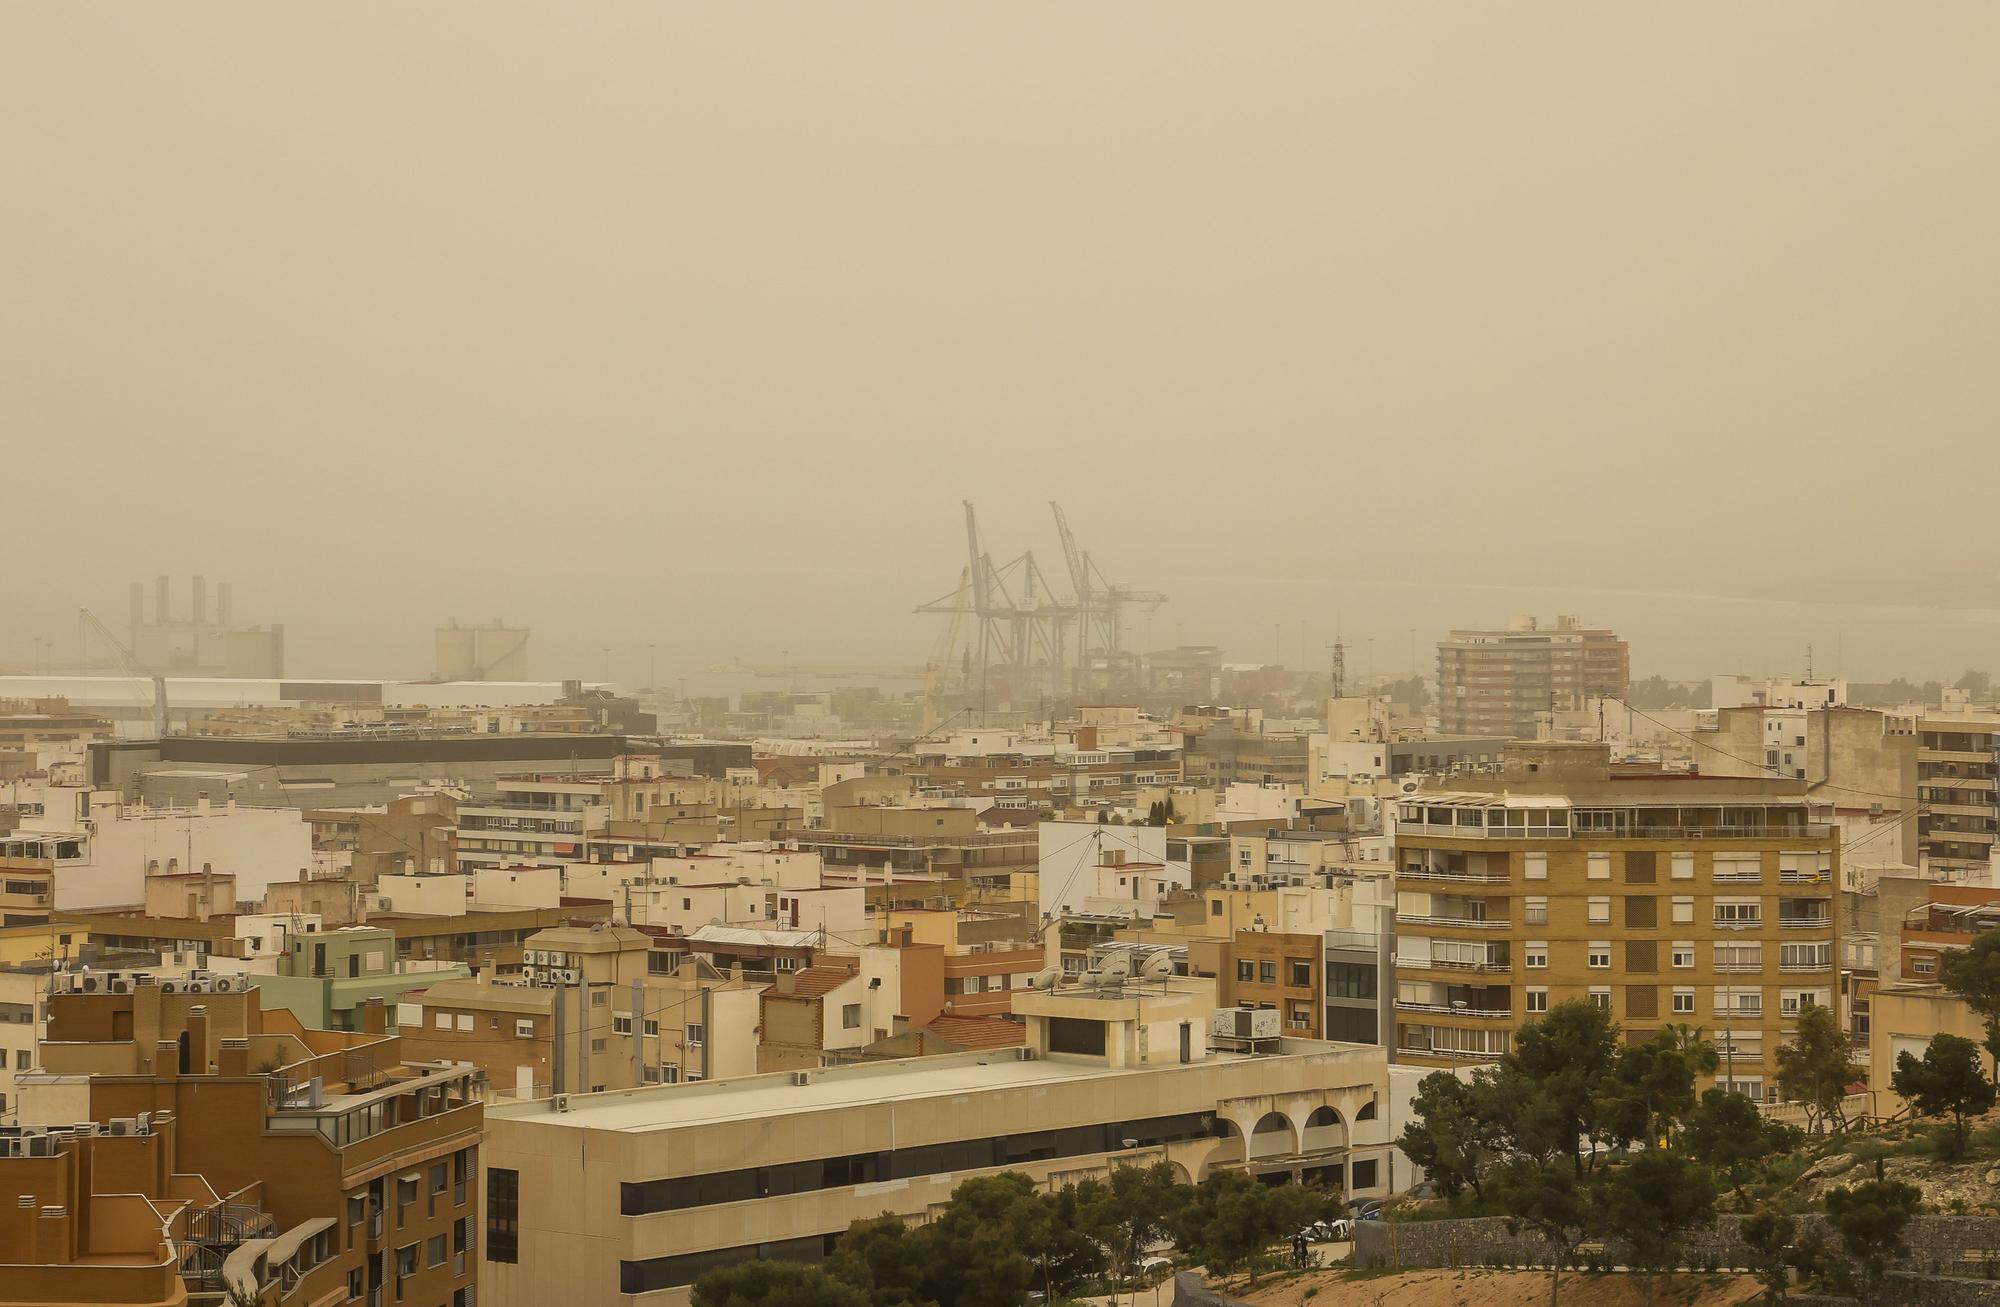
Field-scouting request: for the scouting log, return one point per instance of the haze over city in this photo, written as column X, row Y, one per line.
column 1380, row 317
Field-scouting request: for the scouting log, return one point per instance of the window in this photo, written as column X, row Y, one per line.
column 1536, row 910
column 1922, row 966
column 1683, row 1002
column 524, row 1028
column 1642, row 956
column 1535, row 866
column 1641, row 868
column 1350, row 980
column 434, row 1250
column 1600, row 954
column 598, row 999
column 1683, row 954
column 1600, row 910
column 1215, row 907
column 621, row 1023
column 1684, row 909
column 1538, row 999
column 1641, row 912
column 696, row 1034
column 503, row 1215
column 1739, row 957
column 850, row 1017
column 652, row 1029
column 1601, row 996
column 1739, row 914
column 1535, row 954
column 1739, row 1003
column 1302, row 973
column 1791, row 1002
column 1818, row 957
column 1267, row 972
column 444, row 1021
column 1683, row 866
column 1599, row 866
column 406, row 1261
column 357, row 1283
column 440, row 1178
column 406, row 1192
column 1246, row 971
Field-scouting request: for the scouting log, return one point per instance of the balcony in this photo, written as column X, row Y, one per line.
column 1490, row 965
column 1475, row 923
column 1805, row 923
column 1454, row 877
column 1454, row 1010
column 1739, row 923
column 1453, row 1054
column 1747, row 967
column 1805, row 878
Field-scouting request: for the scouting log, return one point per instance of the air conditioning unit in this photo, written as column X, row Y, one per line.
column 225, row 984
column 169, row 987
column 88, row 984
column 560, row 1102
column 122, row 1125
column 570, row 977
column 40, row 1146
column 119, row 985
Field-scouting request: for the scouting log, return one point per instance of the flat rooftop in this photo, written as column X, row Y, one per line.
column 753, row 1098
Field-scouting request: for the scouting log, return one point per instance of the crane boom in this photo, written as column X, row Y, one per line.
column 131, row 666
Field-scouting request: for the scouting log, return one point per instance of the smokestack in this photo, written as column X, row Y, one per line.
column 223, row 606
column 200, row 614
column 138, row 605
column 161, row 608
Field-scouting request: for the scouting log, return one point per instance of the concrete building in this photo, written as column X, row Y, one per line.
column 198, row 640
column 1502, row 683
column 97, row 851
column 1663, row 898
column 1862, row 763
column 328, row 979
column 482, row 653
column 639, row 1193
column 286, row 1165
column 1958, row 772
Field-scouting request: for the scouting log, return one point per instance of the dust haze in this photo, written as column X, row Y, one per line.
column 692, row 325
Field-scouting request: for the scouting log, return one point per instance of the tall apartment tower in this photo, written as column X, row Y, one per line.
column 1502, row 682
column 1668, row 899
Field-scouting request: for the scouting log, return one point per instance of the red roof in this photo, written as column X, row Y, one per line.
column 815, row 981
column 978, row 1032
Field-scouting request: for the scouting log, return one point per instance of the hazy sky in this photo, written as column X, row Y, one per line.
column 692, row 324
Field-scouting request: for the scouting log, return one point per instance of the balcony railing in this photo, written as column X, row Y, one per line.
column 1737, row 923
column 1803, row 966
column 1805, row 878
column 1805, row 923
column 1483, row 923
column 1739, row 966
column 1455, row 877
column 1454, row 1054
column 1453, row 1010
column 1452, row 964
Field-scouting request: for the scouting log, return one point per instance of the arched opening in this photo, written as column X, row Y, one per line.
column 1366, row 1112
column 1324, row 1131
column 1272, row 1137
column 1228, row 1151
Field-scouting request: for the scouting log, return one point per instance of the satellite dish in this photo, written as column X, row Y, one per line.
column 1117, row 967
column 1158, row 967
column 1091, row 978
column 1046, row 978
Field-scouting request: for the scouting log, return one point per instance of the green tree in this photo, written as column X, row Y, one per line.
column 1228, row 1219
column 1946, row 1081
column 1767, row 1232
column 1870, row 1218
column 1651, row 1086
column 1127, row 1214
column 886, row 1259
column 1649, row 1203
column 1546, row 1196
column 1973, row 973
column 1976, row 682
column 1455, row 1136
column 775, row 1284
column 1063, row 1250
column 977, row 1247
column 1728, row 1133
column 1818, row 1066
column 1558, row 1069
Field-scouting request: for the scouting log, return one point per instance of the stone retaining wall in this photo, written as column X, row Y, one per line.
column 1938, row 1244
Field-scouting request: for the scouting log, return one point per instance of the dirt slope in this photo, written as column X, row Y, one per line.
column 1470, row 1288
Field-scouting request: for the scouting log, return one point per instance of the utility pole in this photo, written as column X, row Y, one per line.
column 638, row 1031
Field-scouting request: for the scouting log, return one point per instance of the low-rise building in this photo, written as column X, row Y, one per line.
column 639, row 1193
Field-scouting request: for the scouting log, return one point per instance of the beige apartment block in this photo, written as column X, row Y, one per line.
column 1667, row 899
column 605, row 1198
column 1504, row 682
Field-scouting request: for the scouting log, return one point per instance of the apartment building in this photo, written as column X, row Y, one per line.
column 285, row 1164
column 1958, row 779
column 986, row 958
column 1502, row 683
column 923, row 850
column 417, row 832
column 639, row 1193
column 1239, row 749
column 1864, row 764
column 1663, row 898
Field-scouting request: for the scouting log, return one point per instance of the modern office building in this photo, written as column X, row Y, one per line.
column 610, row 1198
